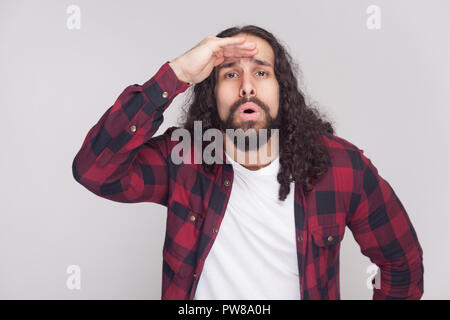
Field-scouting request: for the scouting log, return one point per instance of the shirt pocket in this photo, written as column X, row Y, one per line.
column 327, row 236
column 325, row 250
column 183, row 232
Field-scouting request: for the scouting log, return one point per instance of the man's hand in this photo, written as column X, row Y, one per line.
column 196, row 64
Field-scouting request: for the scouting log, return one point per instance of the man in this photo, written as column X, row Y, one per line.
column 240, row 229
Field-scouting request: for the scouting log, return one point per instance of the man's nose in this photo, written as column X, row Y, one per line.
column 247, row 87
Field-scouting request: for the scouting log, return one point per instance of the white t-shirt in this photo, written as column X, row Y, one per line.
column 254, row 255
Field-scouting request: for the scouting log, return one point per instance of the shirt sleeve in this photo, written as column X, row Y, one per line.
column 120, row 160
column 385, row 234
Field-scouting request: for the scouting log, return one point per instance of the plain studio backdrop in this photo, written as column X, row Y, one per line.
column 386, row 89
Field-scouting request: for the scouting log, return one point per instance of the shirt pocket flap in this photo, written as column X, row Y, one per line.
column 182, row 238
column 326, row 236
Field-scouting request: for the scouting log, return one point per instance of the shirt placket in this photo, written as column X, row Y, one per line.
column 213, row 220
column 300, row 234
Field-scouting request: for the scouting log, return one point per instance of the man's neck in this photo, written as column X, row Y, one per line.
column 253, row 159
column 255, row 166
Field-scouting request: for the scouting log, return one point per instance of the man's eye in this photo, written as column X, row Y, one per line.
column 226, row 75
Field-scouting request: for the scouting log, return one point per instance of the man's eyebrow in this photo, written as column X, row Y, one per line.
column 233, row 63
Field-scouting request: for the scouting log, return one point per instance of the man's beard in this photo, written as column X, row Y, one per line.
column 268, row 124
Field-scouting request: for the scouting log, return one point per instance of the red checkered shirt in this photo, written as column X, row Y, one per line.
column 121, row 160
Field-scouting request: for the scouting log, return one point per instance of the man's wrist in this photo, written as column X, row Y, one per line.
column 177, row 70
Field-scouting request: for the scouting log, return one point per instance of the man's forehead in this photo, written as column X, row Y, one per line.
column 232, row 63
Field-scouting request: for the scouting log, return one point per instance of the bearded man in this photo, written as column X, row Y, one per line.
column 241, row 229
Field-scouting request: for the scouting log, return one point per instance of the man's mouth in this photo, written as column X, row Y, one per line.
column 249, row 111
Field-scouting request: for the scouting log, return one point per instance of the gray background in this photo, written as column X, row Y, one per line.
column 387, row 91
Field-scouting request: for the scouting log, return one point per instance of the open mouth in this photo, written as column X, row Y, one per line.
column 249, row 111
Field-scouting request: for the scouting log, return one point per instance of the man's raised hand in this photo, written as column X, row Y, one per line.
column 196, row 64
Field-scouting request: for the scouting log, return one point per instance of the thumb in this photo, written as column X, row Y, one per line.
column 219, row 60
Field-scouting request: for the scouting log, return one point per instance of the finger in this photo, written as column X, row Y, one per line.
column 219, row 60
column 245, row 54
column 246, row 45
column 233, row 50
column 237, row 51
column 240, row 47
column 230, row 41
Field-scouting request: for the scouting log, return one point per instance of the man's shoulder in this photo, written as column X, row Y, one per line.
column 342, row 152
column 169, row 130
column 332, row 141
column 169, row 139
column 166, row 136
column 164, row 141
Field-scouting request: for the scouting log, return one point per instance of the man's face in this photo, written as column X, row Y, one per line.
column 247, row 91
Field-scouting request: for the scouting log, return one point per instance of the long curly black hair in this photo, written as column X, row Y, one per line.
column 302, row 157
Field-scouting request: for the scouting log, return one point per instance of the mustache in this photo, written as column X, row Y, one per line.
column 254, row 100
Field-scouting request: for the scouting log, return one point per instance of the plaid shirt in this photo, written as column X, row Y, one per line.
column 121, row 160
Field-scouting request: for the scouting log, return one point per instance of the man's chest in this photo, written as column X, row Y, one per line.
column 196, row 217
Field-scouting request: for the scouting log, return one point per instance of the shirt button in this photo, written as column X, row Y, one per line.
column 165, row 94
column 215, row 230
column 330, row 238
column 300, row 238
column 195, row 275
column 192, row 218
column 133, row 128
column 226, row 183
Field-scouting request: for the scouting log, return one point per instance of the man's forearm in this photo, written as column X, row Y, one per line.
column 108, row 163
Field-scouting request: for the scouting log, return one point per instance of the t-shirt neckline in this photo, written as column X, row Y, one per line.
column 271, row 169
